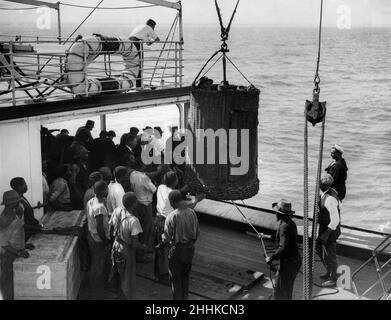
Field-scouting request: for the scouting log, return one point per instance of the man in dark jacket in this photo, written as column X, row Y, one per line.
column 287, row 252
column 338, row 170
column 329, row 230
column 86, row 130
column 31, row 224
column 127, row 154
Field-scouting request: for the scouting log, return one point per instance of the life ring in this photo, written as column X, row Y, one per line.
column 92, row 47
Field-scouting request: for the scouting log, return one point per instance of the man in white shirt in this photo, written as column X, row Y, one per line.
column 144, row 33
column 329, row 229
column 116, row 190
column 144, row 189
column 164, row 208
column 157, row 141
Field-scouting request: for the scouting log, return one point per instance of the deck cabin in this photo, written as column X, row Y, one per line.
column 35, row 90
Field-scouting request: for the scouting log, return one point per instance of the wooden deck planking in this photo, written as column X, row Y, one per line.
column 220, row 248
column 215, row 276
column 231, row 249
column 222, row 269
column 150, row 290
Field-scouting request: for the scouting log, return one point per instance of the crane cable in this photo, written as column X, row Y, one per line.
column 260, row 236
column 224, row 34
column 309, row 250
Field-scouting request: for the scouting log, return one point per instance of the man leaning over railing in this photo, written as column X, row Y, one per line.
column 143, row 33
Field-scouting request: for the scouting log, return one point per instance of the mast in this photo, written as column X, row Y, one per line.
column 180, row 42
column 59, row 23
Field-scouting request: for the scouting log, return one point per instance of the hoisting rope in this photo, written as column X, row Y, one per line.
column 306, row 289
column 316, row 202
column 211, row 67
column 314, row 112
column 241, row 73
column 224, row 34
column 317, row 78
column 260, row 236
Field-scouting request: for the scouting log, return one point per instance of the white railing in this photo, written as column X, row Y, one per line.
column 37, row 69
column 382, row 270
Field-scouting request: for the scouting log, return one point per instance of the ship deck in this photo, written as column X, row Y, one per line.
column 229, row 265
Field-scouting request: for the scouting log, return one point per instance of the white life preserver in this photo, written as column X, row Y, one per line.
column 91, row 48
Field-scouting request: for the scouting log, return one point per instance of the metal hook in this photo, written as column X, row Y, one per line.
column 225, row 31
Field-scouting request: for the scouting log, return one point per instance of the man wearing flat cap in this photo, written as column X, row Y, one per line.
column 329, row 229
column 287, row 252
column 338, row 170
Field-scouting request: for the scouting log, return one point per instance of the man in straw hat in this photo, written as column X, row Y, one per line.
column 329, row 229
column 12, row 241
column 287, row 252
column 338, row 170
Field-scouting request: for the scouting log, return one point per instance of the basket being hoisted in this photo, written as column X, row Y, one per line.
column 224, row 107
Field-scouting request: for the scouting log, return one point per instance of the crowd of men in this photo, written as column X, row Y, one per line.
column 135, row 212
column 139, row 213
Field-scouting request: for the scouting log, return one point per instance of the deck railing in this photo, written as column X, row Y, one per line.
column 35, row 69
column 382, row 269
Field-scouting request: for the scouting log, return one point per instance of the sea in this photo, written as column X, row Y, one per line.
column 355, row 73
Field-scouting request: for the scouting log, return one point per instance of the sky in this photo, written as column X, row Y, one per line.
column 289, row 13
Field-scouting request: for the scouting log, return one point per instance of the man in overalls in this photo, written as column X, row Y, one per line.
column 287, row 252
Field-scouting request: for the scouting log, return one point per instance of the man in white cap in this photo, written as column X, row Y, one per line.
column 329, row 230
column 338, row 170
column 287, row 252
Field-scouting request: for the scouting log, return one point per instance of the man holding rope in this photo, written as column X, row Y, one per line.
column 287, row 252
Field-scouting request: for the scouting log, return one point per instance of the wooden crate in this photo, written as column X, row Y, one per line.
column 53, row 269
